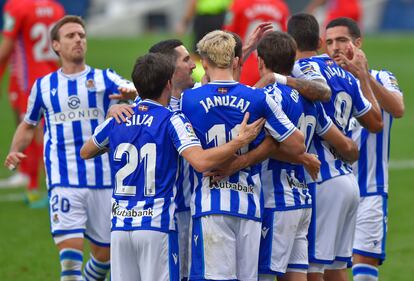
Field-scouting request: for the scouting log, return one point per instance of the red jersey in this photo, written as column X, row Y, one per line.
column 343, row 8
column 244, row 16
column 28, row 23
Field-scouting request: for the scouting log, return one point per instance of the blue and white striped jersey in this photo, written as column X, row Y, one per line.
column 73, row 106
column 347, row 100
column 215, row 110
column 371, row 169
column 284, row 184
column 186, row 178
column 144, row 156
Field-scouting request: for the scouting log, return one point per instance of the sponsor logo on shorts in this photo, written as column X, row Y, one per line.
column 122, row 212
column 265, row 230
column 234, row 186
column 175, row 257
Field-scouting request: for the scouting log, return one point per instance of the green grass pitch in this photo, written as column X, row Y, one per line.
column 27, row 251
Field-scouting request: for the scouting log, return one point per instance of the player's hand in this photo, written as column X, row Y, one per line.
column 13, row 160
column 248, row 132
column 229, row 168
column 354, row 61
column 125, row 93
column 120, row 112
column 312, row 165
column 251, row 42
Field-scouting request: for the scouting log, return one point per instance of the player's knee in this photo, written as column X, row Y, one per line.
column 101, row 254
column 71, row 264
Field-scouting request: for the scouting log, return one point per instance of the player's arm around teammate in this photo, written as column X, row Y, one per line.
column 201, row 160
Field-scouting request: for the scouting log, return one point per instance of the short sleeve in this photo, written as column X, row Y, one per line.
column 277, row 123
column 360, row 103
column 12, row 18
column 307, row 70
column 388, row 80
column 118, row 81
column 35, row 105
column 101, row 135
column 323, row 121
column 182, row 133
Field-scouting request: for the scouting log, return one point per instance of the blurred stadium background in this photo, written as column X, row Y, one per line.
column 121, row 30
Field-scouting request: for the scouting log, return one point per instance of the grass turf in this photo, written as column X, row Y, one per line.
column 27, row 251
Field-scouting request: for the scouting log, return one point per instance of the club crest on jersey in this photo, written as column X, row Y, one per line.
column 55, row 218
column 73, row 102
column 90, row 85
column 329, row 62
column 222, row 90
column 143, row 108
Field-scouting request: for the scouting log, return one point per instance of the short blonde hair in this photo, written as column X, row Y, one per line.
column 218, row 47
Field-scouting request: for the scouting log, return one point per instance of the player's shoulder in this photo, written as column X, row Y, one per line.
column 45, row 79
column 386, row 78
column 15, row 6
column 279, row 92
column 250, row 93
column 382, row 73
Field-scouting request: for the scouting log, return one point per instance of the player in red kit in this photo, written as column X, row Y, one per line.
column 337, row 9
column 26, row 47
column 244, row 16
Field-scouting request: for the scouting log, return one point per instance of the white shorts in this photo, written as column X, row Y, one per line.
column 183, row 225
column 371, row 227
column 145, row 255
column 283, row 244
column 320, row 268
column 332, row 228
column 78, row 212
column 224, row 248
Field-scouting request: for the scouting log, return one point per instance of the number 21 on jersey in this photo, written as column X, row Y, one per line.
column 146, row 156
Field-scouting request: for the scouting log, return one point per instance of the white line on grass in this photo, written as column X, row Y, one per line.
column 402, row 164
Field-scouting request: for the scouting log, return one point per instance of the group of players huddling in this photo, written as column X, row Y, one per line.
column 218, row 181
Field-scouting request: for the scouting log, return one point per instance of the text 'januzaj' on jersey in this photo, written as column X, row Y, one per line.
column 347, row 101
column 284, row 184
column 144, row 155
column 216, row 110
column 371, row 169
column 73, row 106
